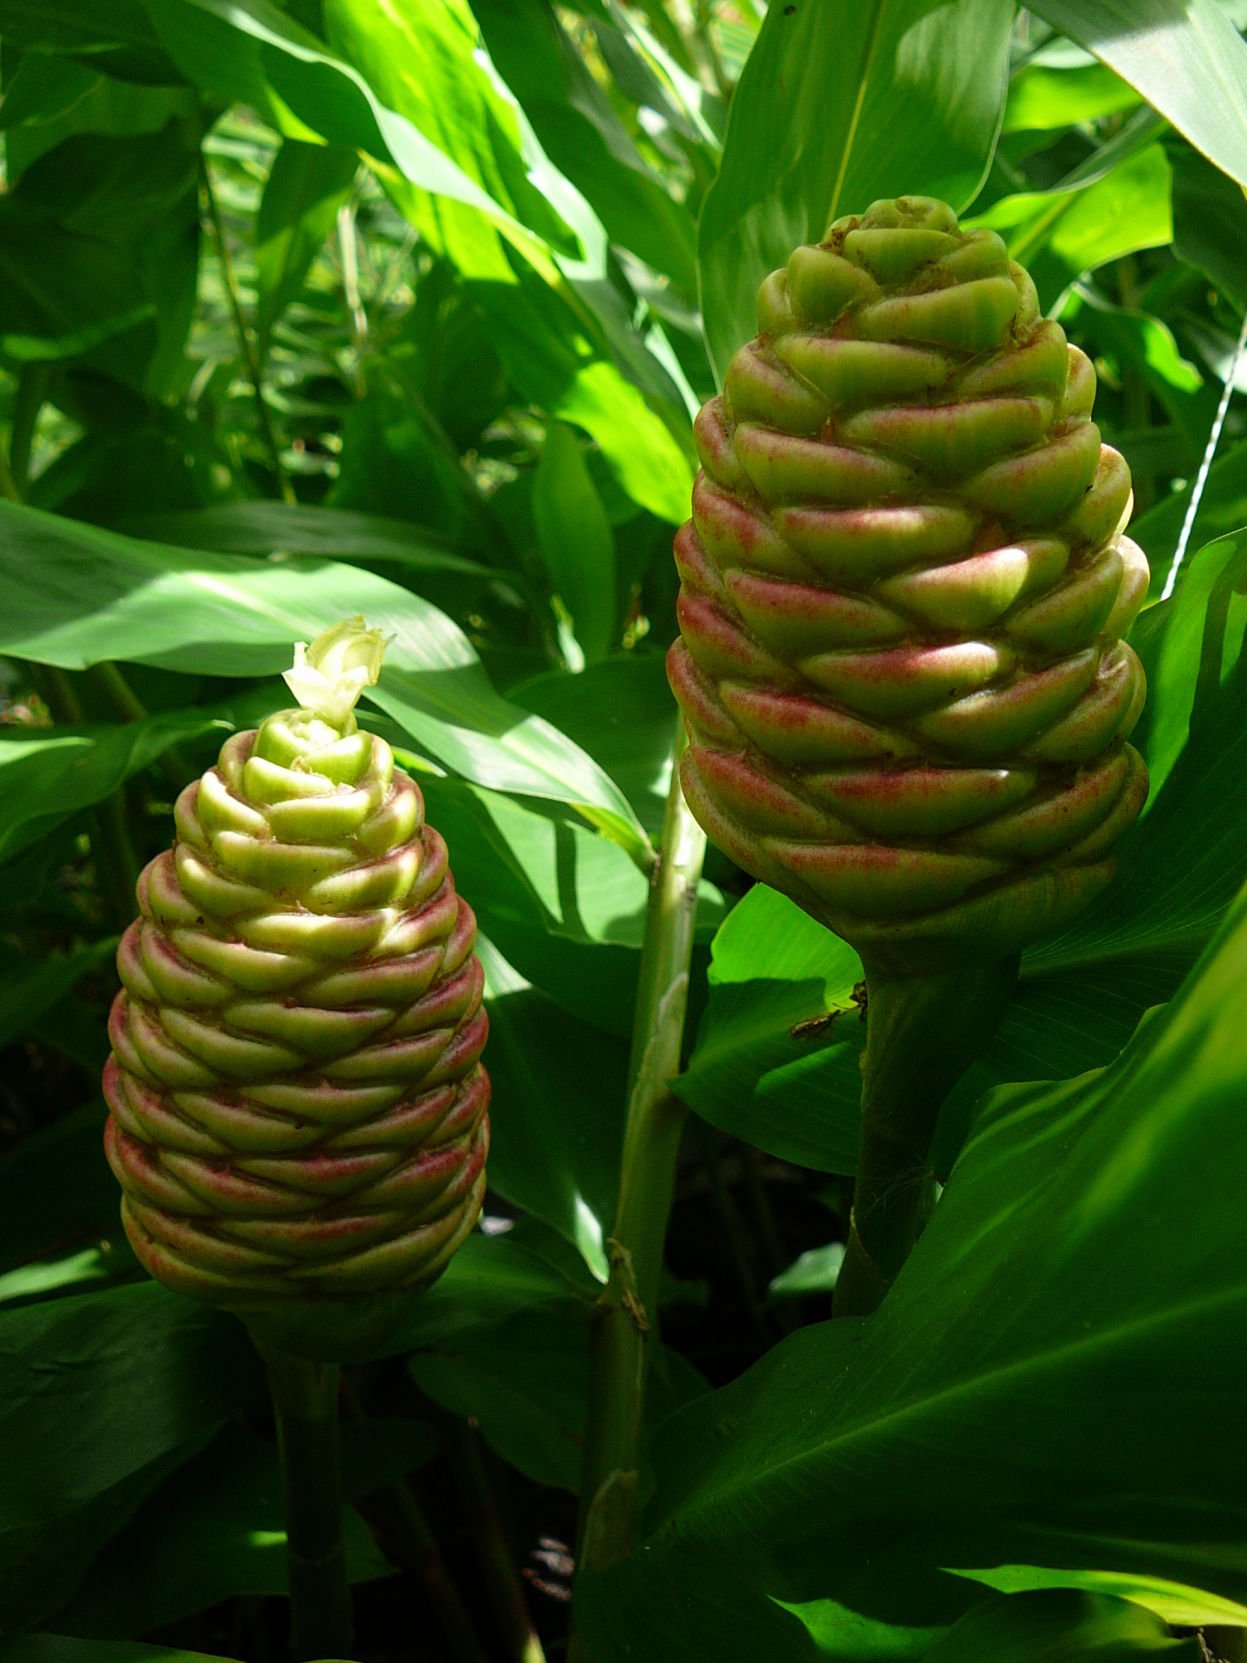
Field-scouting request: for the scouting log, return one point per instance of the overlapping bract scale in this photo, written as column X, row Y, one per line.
column 298, row 1109
column 903, row 592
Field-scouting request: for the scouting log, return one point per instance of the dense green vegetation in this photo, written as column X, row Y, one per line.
column 333, row 307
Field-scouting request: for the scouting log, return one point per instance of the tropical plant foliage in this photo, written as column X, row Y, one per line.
column 316, row 307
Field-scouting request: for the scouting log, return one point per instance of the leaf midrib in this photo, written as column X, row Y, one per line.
column 738, row 1492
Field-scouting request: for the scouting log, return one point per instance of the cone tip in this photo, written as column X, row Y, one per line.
column 330, row 673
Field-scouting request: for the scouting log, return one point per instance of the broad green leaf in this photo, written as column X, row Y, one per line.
column 776, row 1058
column 580, row 131
column 1222, row 508
column 42, row 88
column 62, row 293
column 1191, row 648
column 525, row 1381
column 49, row 774
column 550, row 336
column 422, row 57
column 1043, row 96
column 98, row 1395
column 215, row 1530
column 83, row 1205
column 1185, row 57
column 1050, row 1627
column 562, row 1085
column 306, row 187
column 106, row 106
column 1136, row 343
column 262, row 528
column 74, row 25
column 102, row 596
column 528, row 862
column 533, row 914
column 27, row 989
column 1058, row 235
column 555, row 322
column 621, row 712
column 1007, row 1403
column 892, row 96
column 576, row 542
column 814, row 1272
column 70, row 1270
column 250, row 52
column 1210, row 223
column 565, row 907
column 1173, row 1602
column 65, row 1648
column 138, row 193
column 496, row 1276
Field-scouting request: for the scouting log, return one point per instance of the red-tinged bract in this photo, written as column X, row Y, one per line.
column 904, row 590
column 297, row 1105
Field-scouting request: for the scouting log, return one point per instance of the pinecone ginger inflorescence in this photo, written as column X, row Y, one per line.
column 298, row 1110
column 904, row 588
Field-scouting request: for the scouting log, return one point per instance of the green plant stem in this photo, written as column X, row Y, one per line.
column 32, row 387
column 734, row 1235
column 117, row 690
column 923, row 1032
column 128, row 707
column 305, row 1406
column 408, row 1541
column 775, row 1258
column 246, row 343
column 502, row 1584
column 112, row 850
column 625, row 1320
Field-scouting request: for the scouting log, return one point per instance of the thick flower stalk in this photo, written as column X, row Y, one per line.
column 298, row 1110
column 904, row 588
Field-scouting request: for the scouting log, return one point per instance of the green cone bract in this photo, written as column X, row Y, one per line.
column 298, row 1110
column 904, row 587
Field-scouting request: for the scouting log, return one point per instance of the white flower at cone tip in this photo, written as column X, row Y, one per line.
column 330, row 673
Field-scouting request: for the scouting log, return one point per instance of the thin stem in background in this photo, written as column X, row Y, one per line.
column 112, row 851
column 128, row 707
column 245, row 341
column 767, row 1233
column 305, row 1407
column 1201, row 478
column 32, row 387
column 407, row 1539
column 348, row 252
column 626, row 1317
column 734, row 1235
column 498, row 1572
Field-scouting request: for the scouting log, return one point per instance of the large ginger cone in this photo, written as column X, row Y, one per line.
column 904, row 588
column 298, row 1110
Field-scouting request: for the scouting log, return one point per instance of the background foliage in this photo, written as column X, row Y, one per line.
column 325, row 306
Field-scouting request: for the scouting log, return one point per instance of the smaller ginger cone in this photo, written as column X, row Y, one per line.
column 297, row 1104
column 904, row 590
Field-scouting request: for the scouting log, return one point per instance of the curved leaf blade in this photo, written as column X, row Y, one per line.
column 1185, row 57
column 873, row 100
column 95, row 596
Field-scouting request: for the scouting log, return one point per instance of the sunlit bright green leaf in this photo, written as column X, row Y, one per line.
column 1008, row 1401
column 1185, row 57
column 891, row 96
column 101, row 596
